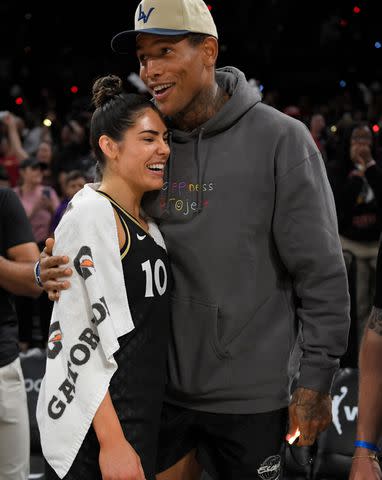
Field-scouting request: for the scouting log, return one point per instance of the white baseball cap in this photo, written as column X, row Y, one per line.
column 167, row 17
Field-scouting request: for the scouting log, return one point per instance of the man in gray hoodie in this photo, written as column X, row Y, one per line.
column 249, row 222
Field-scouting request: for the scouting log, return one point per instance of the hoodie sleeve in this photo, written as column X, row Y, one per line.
column 306, row 234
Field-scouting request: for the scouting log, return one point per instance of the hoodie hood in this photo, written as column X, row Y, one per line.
column 242, row 98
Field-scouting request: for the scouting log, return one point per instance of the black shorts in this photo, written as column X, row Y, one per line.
column 229, row 446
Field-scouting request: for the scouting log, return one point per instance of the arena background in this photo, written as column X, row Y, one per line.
column 319, row 56
column 319, row 49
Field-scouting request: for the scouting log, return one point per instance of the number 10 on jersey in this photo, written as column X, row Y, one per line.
column 160, row 283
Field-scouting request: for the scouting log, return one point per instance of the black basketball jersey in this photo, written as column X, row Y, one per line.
column 145, row 267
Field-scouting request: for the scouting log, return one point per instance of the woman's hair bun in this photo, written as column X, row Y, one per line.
column 105, row 89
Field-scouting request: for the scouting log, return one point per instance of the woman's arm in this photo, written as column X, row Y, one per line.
column 117, row 458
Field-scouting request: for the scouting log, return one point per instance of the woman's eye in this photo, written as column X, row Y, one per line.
column 150, row 140
column 166, row 50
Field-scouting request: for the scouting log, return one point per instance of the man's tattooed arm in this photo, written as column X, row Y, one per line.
column 375, row 320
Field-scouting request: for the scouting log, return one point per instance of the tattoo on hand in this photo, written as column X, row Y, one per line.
column 375, row 320
column 313, row 405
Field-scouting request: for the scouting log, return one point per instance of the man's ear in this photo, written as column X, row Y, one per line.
column 210, row 51
column 108, row 146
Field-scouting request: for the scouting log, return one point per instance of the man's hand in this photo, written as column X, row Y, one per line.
column 311, row 413
column 364, row 468
column 50, row 271
column 119, row 461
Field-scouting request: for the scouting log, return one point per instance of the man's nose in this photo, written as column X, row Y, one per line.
column 153, row 68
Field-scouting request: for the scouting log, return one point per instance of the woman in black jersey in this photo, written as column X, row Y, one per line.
column 129, row 138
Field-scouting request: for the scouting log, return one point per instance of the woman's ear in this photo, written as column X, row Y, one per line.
column 210, row 51
column 108, row 146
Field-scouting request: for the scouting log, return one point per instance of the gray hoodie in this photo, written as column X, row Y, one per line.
column 250, row 226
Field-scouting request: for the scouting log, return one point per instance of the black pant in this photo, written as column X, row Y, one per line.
column 229, row 446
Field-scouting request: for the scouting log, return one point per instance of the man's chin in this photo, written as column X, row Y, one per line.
column 166, row 109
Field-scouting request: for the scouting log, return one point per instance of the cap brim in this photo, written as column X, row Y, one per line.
column 124, row 42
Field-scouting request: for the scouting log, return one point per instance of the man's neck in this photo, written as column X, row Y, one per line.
column 201, row 109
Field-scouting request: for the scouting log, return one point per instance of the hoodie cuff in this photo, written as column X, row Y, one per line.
column 317, row 379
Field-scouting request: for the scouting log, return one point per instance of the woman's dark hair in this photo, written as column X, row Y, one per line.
column 115, row 112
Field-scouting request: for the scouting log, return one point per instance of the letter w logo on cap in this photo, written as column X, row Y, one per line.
column 144, row 16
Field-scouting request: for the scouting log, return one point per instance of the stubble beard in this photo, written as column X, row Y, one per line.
column 199, row 110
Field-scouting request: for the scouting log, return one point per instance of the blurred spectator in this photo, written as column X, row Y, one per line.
column 73, row 152
column 18, row 252
column 35, row 131
column 304, row 104
column 375, row 108
column 318, row 131
column 4, row 177
column 61, row 183
column 11, row 149
column 44, row 155
column 272, row 98
column 293, row 111
column 74, row 182
column 40, row 202
column 358, row 193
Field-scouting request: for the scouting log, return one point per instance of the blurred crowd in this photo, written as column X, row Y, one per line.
column 45, row 167
column 47, row 161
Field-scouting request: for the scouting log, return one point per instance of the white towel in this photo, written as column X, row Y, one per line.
column 86, row 323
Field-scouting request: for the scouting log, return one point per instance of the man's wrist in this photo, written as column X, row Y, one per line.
column 36, row 271
column 316, row 379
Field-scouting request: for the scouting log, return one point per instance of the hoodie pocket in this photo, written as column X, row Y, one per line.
column 196, row 357
column 268, row 331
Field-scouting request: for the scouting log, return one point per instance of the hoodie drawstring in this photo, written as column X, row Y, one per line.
column 199, row 173
column 168, row 175
column 199, row 193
